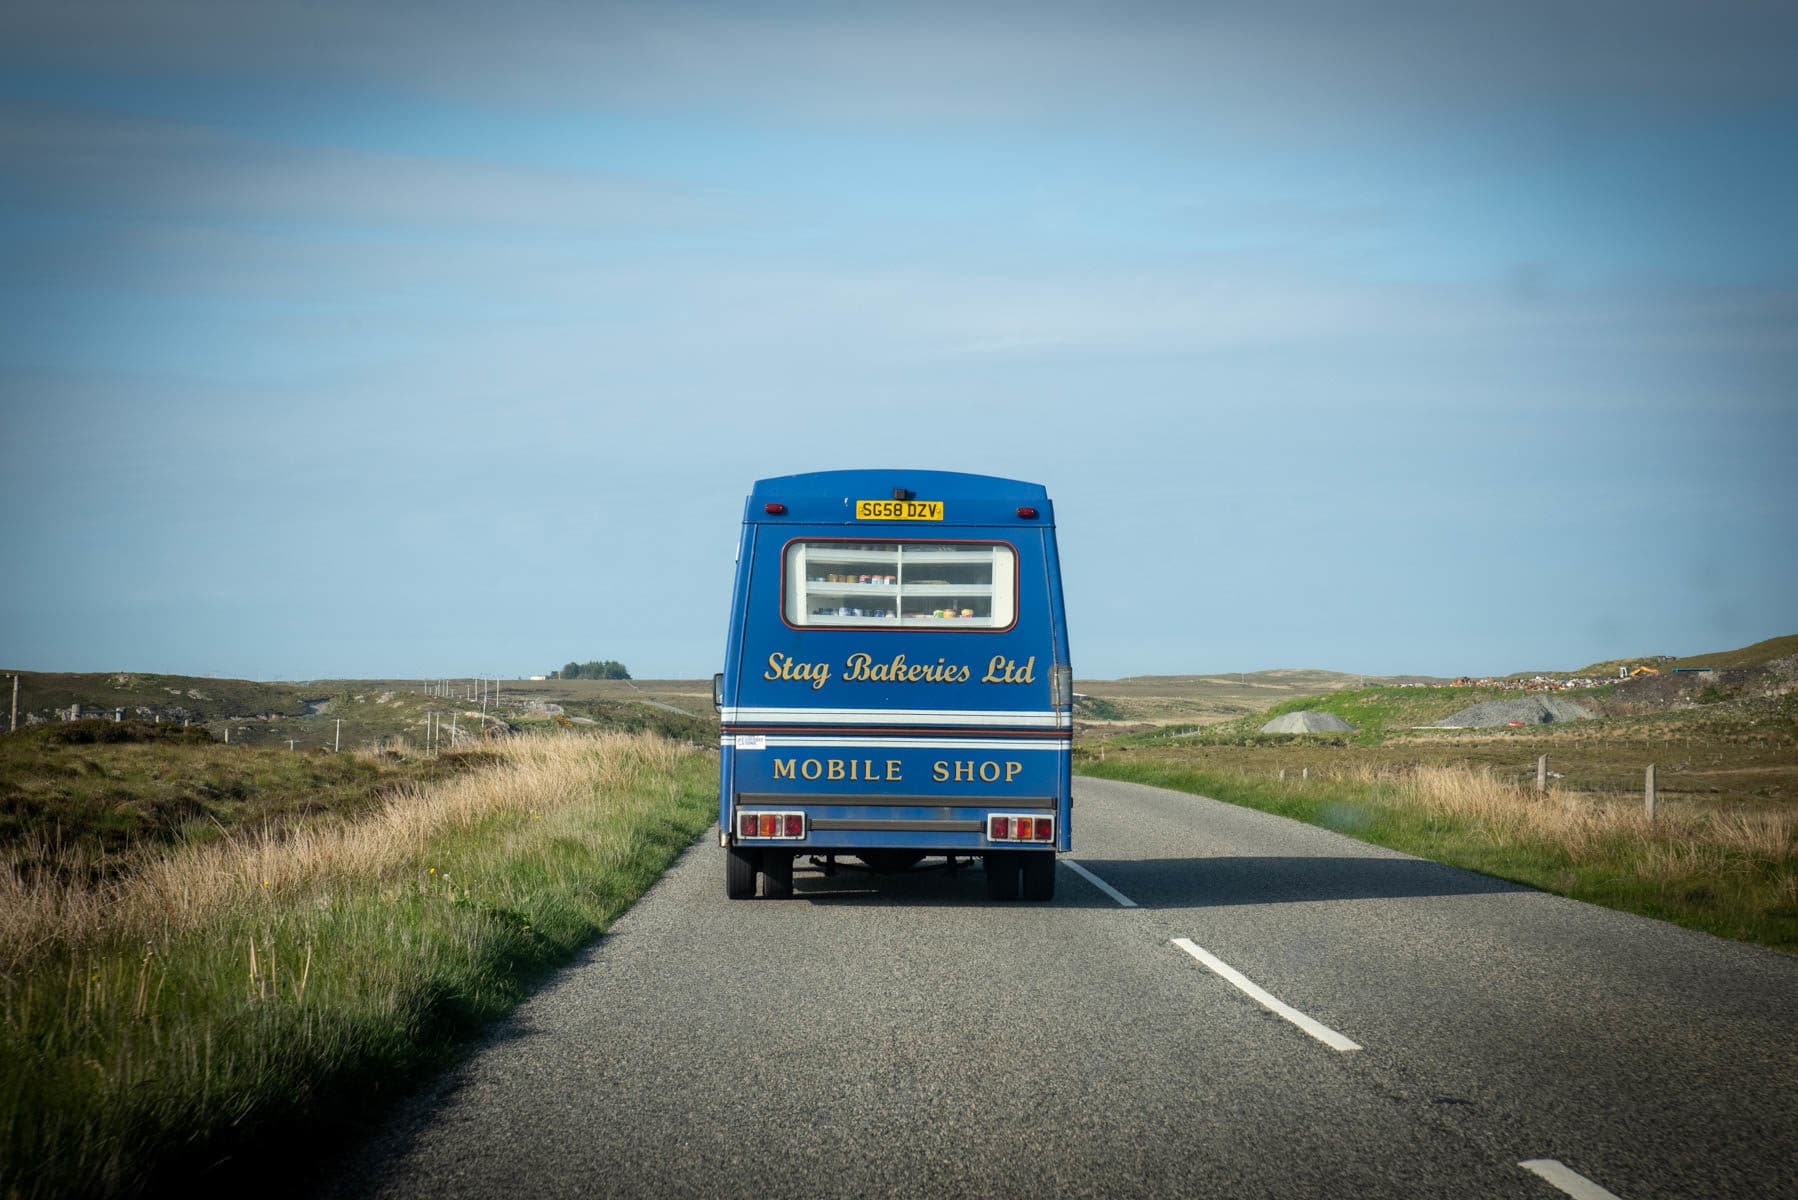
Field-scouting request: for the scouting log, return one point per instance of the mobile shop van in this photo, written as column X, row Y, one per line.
column 896, row 681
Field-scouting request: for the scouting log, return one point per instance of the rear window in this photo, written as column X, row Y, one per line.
column 901, row 585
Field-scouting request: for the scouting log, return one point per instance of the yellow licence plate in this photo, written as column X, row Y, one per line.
column 898, row 510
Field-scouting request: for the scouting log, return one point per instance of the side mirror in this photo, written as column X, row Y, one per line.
column 718, row 691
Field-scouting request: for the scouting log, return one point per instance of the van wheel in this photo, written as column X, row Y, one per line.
column 777, row 874
column 739, row 873
column 1001, row 875
column 1039, row 876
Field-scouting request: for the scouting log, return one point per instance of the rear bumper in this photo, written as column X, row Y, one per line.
column 928, row 823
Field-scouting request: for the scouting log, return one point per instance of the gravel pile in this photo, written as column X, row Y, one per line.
column 1307, row 722
column 1530, row 710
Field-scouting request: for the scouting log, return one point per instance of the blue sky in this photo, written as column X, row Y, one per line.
column 446, row 339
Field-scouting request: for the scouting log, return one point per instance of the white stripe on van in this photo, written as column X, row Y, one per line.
column 776, row 741
column 1035, row 718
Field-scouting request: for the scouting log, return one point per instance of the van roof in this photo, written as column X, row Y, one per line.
column 829, row 496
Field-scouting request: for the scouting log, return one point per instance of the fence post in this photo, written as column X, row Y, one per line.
column 1305, row 773
column 1282, row 774
column 15, row 704
column 1542, row 773
column 337, row 742
column 1648, row 793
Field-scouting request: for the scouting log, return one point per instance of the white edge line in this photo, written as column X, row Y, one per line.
column 1122, row 899
column 1567, row 1179
column 1230, row 974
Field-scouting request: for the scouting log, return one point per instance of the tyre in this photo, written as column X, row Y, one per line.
column 1039, row 875
column 739, row 872
column 777, row 874
column 1001, row 875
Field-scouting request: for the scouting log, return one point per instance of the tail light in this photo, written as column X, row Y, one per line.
column 774, row 826
column 1016, row 827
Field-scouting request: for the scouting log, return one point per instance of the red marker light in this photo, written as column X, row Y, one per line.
column 746, row 825
column 1045, row 828
column 1001, row 827
column 795, row 825
column 774, row 508
column 1026, row 512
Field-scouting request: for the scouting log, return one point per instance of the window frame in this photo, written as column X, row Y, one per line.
column 898, row 626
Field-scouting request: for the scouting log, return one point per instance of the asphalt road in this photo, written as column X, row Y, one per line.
column 876, row 1036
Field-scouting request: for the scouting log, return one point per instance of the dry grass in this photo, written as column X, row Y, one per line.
column 190, row 888
column 1585, row 824
column 217, row 1002
column 1727, row 870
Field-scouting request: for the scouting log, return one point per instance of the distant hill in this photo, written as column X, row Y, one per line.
column 1202, row 699
column 1756, row 655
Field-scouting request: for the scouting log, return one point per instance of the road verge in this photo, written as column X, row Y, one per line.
column 1732, row 874
column 180, row 1023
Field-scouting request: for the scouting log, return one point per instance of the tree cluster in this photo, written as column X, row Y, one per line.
column 592, row 670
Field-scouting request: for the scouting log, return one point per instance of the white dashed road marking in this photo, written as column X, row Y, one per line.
column 1122, row 899
column 1567, row 1179
column 1242, row 983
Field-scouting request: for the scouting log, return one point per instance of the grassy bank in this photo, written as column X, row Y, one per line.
column 177, row 1021
column 98, row 798
column 1728, row 873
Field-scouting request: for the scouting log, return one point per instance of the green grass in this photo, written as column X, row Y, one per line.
column 223, row 1046
column 1745, row 894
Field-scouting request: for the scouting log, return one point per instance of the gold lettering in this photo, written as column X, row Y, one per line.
column 1006, row 670
column 783, row 768
column 964, row 772
column 836, row 769
column 939, row 771
column 811, row 768
column 1011, row 770
column 785, row 669
column 893, row 775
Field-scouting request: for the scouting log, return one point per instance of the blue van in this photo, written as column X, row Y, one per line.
column 896, row 682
